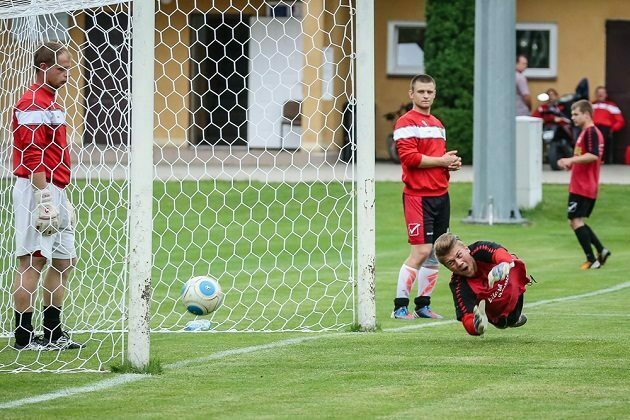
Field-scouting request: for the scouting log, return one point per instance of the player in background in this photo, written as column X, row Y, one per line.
column 421, row 143
column 608, row 118
column 584, row 185
column 44, row 225
column 488, row 283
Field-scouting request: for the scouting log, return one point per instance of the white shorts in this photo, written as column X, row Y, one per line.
column 27, row 239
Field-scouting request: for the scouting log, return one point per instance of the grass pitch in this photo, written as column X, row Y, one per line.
column 571, row 359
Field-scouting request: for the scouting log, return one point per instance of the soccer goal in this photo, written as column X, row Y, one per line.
column 207, row 138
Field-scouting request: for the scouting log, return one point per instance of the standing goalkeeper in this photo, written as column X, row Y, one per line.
column 44, row 218
column 488, row 283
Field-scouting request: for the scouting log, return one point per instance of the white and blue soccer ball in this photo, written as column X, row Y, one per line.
column 202, row 295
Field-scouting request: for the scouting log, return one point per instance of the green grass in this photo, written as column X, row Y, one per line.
column 571, row 359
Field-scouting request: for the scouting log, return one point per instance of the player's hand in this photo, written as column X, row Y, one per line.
column 481, row 320
column 565, row 163
column 47, row 215
column 452, row 161
column 499, row 272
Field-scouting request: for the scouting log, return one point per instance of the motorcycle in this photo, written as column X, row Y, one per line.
column 559, row 133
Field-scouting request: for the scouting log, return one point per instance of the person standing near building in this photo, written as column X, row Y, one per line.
column 421, row 143
column 583, row 187
column 44, row 225
column 608, row 119
column 523, row 98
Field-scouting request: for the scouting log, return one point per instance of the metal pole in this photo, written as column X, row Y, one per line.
column 494, row 131
column 365, row 129
column 141, row 182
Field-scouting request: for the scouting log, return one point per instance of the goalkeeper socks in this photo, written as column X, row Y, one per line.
column 422, row 301
column 406, row 279
column 401, row 303
column 594, row 240
column 583, row 234
column 427, row 277
column 52, row 323
column 23, row 328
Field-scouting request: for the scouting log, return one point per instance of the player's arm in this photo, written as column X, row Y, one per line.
column 465, row 302
column 493, row 253
column 448, row 160
column 618, row 121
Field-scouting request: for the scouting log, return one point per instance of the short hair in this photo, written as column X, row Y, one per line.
column 600, row 87
column 444, row 244
column 422, row 78
column 555, row 92
column 583, row 106
column 48, row 53
column 518, row 57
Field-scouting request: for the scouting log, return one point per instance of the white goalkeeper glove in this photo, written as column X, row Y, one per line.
column 72, row 215
column 481, row 320
column 47, row 215
column 499, row 272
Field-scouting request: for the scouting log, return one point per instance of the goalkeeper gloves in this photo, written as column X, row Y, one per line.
column 47, row 215
column 499, row 272
column 481, row 320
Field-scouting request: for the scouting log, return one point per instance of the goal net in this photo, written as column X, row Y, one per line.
column 251, row 166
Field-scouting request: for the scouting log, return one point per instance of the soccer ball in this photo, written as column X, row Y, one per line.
column 202, row 295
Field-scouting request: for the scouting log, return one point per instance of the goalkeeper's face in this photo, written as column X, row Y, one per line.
column 57, row 74
column 459, row 260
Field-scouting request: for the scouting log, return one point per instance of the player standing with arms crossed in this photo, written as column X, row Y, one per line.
column 44, row 225
column 421, row 144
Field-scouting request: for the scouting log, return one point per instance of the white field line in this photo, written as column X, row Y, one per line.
column 129, row 378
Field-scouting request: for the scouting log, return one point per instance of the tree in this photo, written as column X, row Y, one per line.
column 449, row 58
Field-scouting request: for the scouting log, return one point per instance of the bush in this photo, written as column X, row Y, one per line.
column 449, row 58
column 458, row 123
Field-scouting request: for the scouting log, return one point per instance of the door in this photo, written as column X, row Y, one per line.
column 107, row 90
column 617, row 80
column 276, row 62
column 219, row 67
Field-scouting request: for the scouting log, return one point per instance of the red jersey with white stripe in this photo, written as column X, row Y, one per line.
column 585, row 176
column 608, row 114
column 40, row 143
column 502, row 298
column 418, row 134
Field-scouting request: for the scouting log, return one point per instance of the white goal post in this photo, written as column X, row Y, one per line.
column 209, row 138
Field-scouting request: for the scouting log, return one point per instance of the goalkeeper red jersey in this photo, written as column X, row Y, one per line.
column 585, row 176
column 502, row 298
column 418, row 134
column 39, row 137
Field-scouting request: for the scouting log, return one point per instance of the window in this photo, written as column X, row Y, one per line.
column 539, row 43
column 405, row 48
column 284, row 8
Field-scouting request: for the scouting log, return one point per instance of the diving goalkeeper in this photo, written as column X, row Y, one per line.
column 488, row 283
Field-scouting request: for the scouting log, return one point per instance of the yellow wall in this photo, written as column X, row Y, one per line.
column 581, row 38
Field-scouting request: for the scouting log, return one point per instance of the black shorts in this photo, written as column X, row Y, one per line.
column 579, row 206
column 426, row 217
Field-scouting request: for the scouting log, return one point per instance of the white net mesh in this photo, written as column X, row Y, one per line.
column 251, row 184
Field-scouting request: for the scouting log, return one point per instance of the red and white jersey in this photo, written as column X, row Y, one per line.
column 40, row 143
column 585, row 176
column 608, row 114
column 502, row 298
column 418, row 134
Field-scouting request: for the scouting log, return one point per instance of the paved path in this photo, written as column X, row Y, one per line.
column 610, row 174
column 239, row 164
